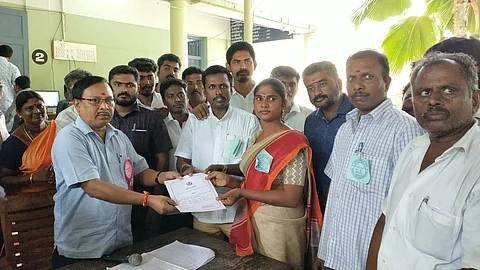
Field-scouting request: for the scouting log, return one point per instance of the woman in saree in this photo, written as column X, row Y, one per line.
column 25, row 156
column 279, row 214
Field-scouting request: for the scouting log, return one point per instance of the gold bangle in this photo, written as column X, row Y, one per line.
column 181, row 168
column 31, row 178
column 225, row 169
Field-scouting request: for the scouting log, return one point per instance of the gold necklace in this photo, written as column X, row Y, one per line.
column 27, row 132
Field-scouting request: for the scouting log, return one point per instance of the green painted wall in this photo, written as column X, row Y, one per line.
column 117, row 43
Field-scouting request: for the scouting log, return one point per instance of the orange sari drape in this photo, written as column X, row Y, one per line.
column 284, row 149
column 38, row 155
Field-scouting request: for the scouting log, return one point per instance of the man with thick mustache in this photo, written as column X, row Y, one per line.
column 168, row 67
column 360, row 167
column 95, row 169
column 192, row 76
column 144, row 128
column 220, row 139
column 241, row 63
column 430, row 218
column 324, row 89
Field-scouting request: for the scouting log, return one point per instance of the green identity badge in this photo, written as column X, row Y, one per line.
column 263, row 161
column 359, row 169
column 233, row 147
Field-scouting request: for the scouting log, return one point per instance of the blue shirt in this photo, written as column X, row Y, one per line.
column 86, row 227
column 321, row 135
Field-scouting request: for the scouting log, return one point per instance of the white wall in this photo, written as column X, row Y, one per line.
column 150, row 13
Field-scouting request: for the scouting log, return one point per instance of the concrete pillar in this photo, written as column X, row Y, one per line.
column 308, row 40
column 178, row 30
column 248, row 21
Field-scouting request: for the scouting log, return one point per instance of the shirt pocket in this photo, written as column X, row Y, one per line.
column 434, row 231
column 380, row 176
column 234, row 147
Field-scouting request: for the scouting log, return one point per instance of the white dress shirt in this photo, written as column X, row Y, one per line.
column 157, row 102
column 296, row 117
column 433, row 217
column 206, row 142
column 3, row 129
column 174, row 132
column 8, row 73
column 240, row 102
column 66, row 117
column 353, row 208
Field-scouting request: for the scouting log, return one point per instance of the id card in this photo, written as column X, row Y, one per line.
column 263, row 162
column 233, row 146
column 359, row 169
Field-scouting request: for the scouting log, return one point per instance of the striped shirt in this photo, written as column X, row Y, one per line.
column 353, row 208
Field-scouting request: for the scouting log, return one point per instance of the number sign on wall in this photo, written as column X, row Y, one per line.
column 39, row 57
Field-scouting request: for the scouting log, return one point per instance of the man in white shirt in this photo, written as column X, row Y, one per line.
column 8, row 73
column 294, row 115
column 431, row 215
column 220, row 139
column 365, row 151
column 173, row 93
column 241, row 63
column 69, row 115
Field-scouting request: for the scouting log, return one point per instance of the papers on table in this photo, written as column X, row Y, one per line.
column 194, row 194
column 175, row 256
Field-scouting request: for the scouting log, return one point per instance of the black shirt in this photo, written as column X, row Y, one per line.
column 147, row 132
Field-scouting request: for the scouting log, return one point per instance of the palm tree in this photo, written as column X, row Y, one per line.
column 410, row 37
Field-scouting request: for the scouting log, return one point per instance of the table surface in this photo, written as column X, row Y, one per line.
column 225, row 257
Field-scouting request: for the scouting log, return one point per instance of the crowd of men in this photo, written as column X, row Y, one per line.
column 398, row 189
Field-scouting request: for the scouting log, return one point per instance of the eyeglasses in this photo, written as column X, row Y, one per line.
column 98, row 101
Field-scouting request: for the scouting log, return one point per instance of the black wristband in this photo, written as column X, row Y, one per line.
column 156, row 178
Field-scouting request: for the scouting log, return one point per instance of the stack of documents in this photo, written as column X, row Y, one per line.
column 194, row 194
column 175, row 256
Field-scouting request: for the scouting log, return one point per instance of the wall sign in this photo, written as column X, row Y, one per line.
column 39, row 57
column 260, row 33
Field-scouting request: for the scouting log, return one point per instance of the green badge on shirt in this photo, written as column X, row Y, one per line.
column 263, row 161
column 233, row 146
column 359, row 169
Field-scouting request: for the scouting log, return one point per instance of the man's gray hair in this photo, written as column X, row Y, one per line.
column 323, row 66
column 75, row 74
column 468, row 67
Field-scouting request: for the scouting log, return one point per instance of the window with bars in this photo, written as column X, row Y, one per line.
column 196, row 52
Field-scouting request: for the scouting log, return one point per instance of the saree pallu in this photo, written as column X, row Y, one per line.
column 283, row 147
column 38, row 155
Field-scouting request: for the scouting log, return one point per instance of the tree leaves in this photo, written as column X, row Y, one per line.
column 379, row 10
column 408, row 40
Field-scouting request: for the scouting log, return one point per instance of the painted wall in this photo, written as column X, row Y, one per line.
column 121, row 30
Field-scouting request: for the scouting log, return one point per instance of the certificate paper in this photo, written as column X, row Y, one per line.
column 194, row 194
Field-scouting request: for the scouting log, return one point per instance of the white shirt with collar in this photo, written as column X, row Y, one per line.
column 174, row 131
column 432, row 217
column 240, row 102
column 8, row 73
column 157, row 102
column 206, row 142
column 66, row 117
column 296, row 117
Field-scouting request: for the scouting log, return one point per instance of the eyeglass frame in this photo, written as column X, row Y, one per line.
column 93, row 101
